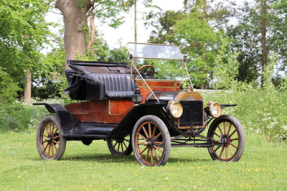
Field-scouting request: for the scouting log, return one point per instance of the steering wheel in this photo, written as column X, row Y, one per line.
column 144, row 71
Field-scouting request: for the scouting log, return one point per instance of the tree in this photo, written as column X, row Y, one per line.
column 199, row 42
column 76, row 14
column 260, row 32
column 23, row 31
column 197, row 30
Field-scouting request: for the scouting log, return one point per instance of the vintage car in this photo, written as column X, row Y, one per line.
column 125, row 106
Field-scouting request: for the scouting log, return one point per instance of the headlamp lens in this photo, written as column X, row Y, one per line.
column 175, row 109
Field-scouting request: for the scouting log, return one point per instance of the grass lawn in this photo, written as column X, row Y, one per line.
column 262, row 167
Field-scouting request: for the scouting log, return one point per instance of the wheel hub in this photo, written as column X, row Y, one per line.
column 50, row 139
column 224, row 139
column 150, row 143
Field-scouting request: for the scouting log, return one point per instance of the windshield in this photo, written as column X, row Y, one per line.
column 154, row 51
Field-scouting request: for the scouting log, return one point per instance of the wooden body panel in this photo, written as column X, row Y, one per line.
column 113, row 111
column 157, row 85
column 102, row 111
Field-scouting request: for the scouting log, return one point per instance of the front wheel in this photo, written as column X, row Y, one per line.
column 228, row 135
column 151, row 141
column 50, row 142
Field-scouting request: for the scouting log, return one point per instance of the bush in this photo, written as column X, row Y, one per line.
column 18, row 117
column 262, row 111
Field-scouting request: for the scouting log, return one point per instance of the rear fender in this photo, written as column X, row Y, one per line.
column 126, row 126
column 67, row 121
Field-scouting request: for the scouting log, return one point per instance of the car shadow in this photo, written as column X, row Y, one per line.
column 108, row 158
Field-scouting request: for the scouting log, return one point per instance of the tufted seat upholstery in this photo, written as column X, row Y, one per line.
column 116, row 85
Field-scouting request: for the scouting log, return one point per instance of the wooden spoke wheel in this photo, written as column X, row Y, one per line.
column 120, row 146
column 50, row 143
column 151, row 141
column 229, row 134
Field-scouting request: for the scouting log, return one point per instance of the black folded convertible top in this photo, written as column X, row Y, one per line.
column 96, row 63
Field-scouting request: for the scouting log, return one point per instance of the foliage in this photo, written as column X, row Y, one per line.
column 107, row 11
column 225, row 70
column 163, row 22
column 193, row 31
column 23, row 32
column 16, row 117
column 100, row 51
column 197, row 39
column 248, row 35
column 261, row 111
column 8, row 88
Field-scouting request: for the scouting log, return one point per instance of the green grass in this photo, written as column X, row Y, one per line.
column 262, row 167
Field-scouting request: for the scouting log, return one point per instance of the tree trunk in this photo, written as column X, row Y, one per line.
column 27, row 91
column 75, row 19
column 264, row 42
column 202, row 86
column 135, row 21
column 93, row 30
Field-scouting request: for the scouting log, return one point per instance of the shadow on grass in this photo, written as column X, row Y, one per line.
column 108, row 158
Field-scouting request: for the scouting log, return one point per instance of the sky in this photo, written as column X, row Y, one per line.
column 125, row 33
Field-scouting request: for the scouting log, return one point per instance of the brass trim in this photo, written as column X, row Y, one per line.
column 188, row 127
column 158, row 86
column 183, row 95
column 180, row 108
column 159, row 80
column 192, row 127
column 158, row 58
column 211, row 104
column 202, row 110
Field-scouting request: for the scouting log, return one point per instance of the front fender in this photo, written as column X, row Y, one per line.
column 67, row 121
column 126, row 126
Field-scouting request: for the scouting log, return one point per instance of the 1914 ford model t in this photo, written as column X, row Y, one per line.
column 135, row 113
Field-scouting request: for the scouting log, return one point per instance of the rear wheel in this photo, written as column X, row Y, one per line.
column 50, row 142
column 120, row 146
column 151, row 141
column 227, row 131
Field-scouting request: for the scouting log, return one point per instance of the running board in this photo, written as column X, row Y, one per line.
column 90, row 131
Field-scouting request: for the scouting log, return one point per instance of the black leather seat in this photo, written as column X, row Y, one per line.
column 116, row 85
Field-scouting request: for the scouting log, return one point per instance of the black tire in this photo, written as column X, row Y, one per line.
column 226, row 130
column 155, row 141
column 120, row 147
column 50, row 142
